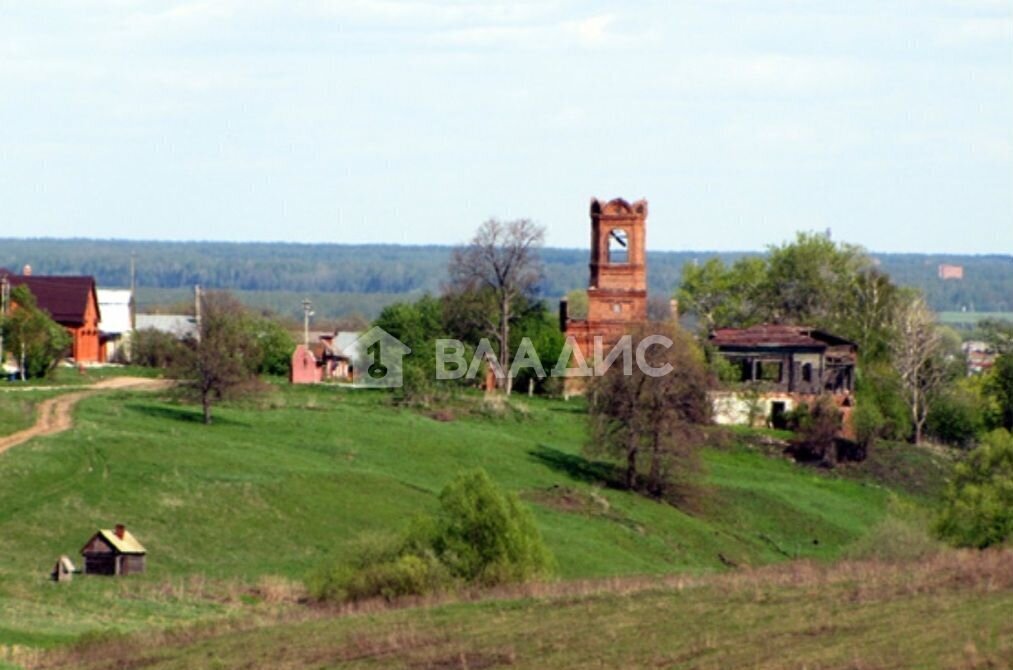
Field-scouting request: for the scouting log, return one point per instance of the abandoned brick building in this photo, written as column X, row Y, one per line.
column 785, row 366
column 617, row 291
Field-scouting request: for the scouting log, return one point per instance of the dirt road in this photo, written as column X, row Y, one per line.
column 55, row 415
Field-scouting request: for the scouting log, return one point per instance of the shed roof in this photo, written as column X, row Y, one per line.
column 65, row 298
column 180, row 325
column 127, row 544
column 769, row 335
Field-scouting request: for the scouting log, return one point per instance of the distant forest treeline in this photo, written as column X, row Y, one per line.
column 362, row 279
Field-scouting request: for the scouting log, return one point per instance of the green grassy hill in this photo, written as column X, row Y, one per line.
column 280, row 484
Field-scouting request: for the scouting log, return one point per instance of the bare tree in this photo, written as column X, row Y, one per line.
column 657, row 417
column 500, row 264
column 917, row 349
column 223, row 360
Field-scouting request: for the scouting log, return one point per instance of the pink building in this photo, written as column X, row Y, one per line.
column 305, row 367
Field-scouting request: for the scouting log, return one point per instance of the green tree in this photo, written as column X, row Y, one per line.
column 275, row 343
column 485, row 535
column 156, row 349
column 812, row 281
column 999, row 385
column 223, row 360
column 978, row 502
column 31, row 337
column 722, row 296
column 418, row 325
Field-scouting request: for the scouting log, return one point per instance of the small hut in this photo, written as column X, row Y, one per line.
column 64, row 570
column 113, row 552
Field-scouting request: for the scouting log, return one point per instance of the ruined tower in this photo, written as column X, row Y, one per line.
column 617, row 291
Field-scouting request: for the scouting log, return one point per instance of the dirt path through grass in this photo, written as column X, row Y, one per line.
column 55, row 415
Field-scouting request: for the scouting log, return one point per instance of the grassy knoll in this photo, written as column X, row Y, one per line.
column 944, row 612
column 283, row 483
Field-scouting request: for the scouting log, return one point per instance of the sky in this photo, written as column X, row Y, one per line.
column 740, row 121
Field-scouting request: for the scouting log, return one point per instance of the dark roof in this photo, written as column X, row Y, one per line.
column 65, row 298
column 775, row 336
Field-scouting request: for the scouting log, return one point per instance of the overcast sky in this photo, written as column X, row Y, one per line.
column 741, row 121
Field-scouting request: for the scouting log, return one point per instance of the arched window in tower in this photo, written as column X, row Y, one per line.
column 618, row 246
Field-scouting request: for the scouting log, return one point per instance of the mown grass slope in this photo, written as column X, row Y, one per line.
column 279, row 485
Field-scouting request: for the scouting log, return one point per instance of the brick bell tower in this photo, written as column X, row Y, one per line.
column 617, row 292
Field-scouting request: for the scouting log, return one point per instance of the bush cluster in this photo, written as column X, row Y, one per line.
column 480, row 535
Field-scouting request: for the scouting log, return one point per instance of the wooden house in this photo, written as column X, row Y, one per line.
column 113, row 552
column 72, row 302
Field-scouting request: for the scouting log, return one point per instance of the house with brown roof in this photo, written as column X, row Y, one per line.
column 778, row 367
column 113, row 552
column 72, row 302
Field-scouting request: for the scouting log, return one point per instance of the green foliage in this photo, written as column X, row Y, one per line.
column 223, row 361
column 879, row 386
column 30, row 332
column 418, row 325
column 486, row 536
column 816, row 426
column 541, row 327
column 978, row 503
column 868, row 422
column 722, row 296
column 152, row 348
column 1000, row 388
column 956, row 416
column 275, row 343
column 481, row 535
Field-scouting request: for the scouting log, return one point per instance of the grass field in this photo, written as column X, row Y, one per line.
column 234, row 512
column 948, row 611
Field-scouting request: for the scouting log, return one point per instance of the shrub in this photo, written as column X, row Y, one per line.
column 481, row 535
column 868, row 422
column 978, row 502
column 485, row 535
column 816, row 427
column 956, row 417
column 154, row 349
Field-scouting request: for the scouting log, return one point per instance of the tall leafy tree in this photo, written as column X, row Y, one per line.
column 722, row 296
column 31, row 337
column 223, row 360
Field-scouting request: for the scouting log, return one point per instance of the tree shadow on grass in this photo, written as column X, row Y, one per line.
column 183, row 414
column 577, row 467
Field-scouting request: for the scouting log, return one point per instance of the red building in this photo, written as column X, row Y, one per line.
column 70, row 301
column 617, row 290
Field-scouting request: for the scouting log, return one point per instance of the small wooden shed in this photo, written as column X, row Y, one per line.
column 113, row 552
column 64, row 570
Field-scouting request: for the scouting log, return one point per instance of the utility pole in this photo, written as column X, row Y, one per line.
column 133, row 291
column 5, row 289
column 196, row 308
column 307, row 312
